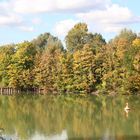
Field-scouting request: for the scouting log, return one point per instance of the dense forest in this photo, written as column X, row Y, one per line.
column 87, row 64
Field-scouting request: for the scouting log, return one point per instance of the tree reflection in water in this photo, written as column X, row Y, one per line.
column 69, row 117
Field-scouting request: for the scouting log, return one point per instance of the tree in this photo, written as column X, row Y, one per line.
column 47, row 69
column 45, row 40
column 126, row 34
column 133, row 84
column 22, row 63
column 96, row 41
column 6, row 54
column 77, row 37
column 66, row 73
column 118, row 62
column 84, row 80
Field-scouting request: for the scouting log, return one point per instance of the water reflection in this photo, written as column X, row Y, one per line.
column 62, row 136
column 126, row 113
column 126, row 109
column 66, row 117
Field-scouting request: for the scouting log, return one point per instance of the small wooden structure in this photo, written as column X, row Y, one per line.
column 12, row 91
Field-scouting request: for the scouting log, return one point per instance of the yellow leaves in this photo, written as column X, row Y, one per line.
column 122, row 43
column 108, row 75
column 122, row 47
column 77, row 55
column 136, row 59
column 136, row 62
column 120, row 54
column 136, row 42
column 82, row 65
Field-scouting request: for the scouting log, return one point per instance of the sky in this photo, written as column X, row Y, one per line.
column 25, row 19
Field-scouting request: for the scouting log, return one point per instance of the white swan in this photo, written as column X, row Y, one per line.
column 126, row 107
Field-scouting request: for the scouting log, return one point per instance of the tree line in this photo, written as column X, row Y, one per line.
column 87, row 64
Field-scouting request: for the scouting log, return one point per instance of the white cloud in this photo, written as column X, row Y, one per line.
column 38, row 6
column 10, row 19
column 33, row 6
column 82, row 5
column 111, row 19
column 26, row 28
column 100, row 15
column 4, row 7
column 61, row 28
column 36, row 21
column 6, row 16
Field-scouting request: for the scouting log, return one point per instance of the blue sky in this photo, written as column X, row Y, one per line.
column 25, row 19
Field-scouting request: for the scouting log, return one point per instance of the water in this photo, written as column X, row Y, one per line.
column 69, row 117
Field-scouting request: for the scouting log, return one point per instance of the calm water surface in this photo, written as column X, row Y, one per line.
column 69, row 118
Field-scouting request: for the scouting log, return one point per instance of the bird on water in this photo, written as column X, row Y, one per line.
column 126, row 107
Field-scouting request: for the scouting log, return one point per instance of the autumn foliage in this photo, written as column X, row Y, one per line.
column 86, row 65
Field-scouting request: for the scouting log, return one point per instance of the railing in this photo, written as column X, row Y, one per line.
column 12, row 91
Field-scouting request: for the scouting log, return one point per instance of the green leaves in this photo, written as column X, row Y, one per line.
column 77, row 37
